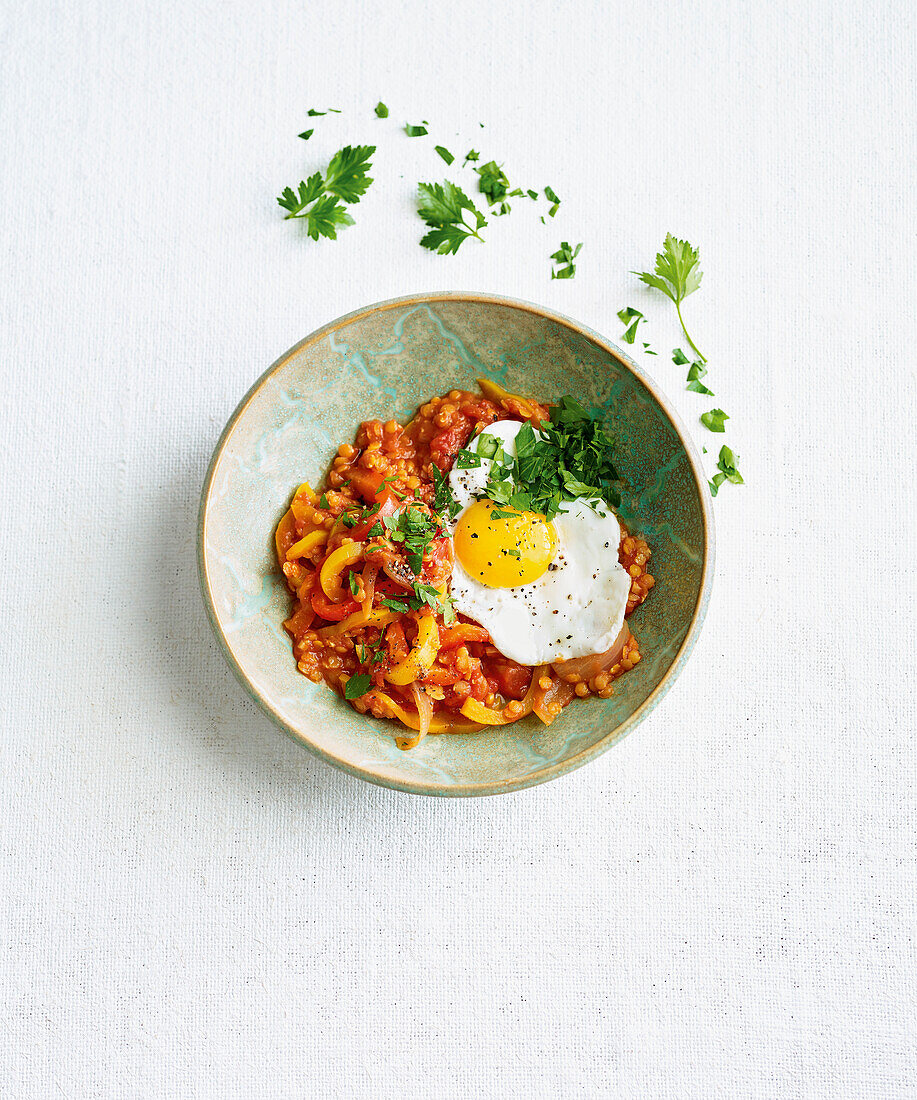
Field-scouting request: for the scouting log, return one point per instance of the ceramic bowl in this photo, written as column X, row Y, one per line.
column 384, row 361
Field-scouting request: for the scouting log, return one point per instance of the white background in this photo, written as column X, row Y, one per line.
column 723, row 905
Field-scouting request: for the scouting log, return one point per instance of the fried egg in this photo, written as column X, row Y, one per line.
column 545, row 590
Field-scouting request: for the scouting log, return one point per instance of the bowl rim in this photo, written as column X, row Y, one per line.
column 550, row 771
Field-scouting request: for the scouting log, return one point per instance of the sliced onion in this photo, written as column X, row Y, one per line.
column 369, row 586
column 399, row 573
column 587, row 667
column 424, row 705
column 559, row 692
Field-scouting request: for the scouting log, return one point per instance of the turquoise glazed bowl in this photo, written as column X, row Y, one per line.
column 384, row 361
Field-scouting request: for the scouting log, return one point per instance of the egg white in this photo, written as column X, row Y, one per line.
column 576, row 607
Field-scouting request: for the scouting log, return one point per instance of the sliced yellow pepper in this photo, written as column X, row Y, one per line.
column 284, row 536
column 299, row 506
column 380, row 617
column 336, row 562
column 477, row 712
column 496, row 392
column 307, row 544
column 420, row 660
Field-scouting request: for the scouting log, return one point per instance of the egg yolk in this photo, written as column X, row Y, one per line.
column 503, row 550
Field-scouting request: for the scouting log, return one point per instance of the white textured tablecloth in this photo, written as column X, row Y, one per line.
column 721, row 906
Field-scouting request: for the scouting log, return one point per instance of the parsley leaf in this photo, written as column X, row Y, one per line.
column 677, row 275
column 381, row 110
column 354, row 586
column 630, row 318
column 347, row 172
column 699, row 387
column 678, row 356
column 715, row 484
column 415, row 131
column 357, row 685
column 306, row 134
column 565, row 255
column 553, row 199
column 442, row 207
column 444, row 153
column 317, row 199
column 714, row 420
column 471, row 155
column 401, row 606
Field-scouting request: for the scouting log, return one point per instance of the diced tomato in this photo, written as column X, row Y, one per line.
column 445, row 445
column 388, row 506
column 513, row 679
column 333, row 612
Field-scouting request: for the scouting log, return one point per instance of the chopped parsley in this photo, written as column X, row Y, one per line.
column 444, row 153
column 415, row 131
column 494, row 184
column 381, row 110
column 565, row 256
column 323, row 500
column 306, row 134
column 471, row 155
column 357, row 685
column 630, row 318
column 444, row 501
column 312, row 113
column 569, row 457
column 442, row 206
column 401, row 606
column 714, row 420
column 553, row 199
column 467, row 460
column 354, row 585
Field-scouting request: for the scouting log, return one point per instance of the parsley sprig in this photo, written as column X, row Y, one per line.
column 442, row 206
column 677, row 275
column 320, row 199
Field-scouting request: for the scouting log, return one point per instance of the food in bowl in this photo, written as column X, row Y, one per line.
column 466, row 569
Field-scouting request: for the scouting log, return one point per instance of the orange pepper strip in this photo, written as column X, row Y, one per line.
column 464, row 632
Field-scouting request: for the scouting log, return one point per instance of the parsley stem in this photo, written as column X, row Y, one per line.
column 697, row 350
column 473, row 232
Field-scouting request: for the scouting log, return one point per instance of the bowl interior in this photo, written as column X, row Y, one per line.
column 384, row 362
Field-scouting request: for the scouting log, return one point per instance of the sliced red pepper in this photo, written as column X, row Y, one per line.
column 332, row 612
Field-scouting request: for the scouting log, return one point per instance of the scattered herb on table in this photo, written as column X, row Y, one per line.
column 727, row 470
column 714, row 420
column 415, row 131
column 319, row 200
column 442, row 206
column 630, row 318
column 471, row 155
column 306, row 134
column 677, row 275
column 444, row 153
column 553, row 199
column 312, row 113
column 381, row 110
column 565, row 255
column 494, row 184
